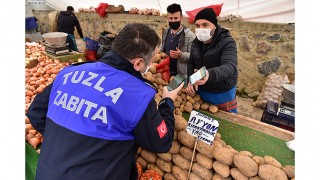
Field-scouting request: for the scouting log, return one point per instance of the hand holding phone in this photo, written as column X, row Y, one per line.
column 200, row 77
column 175, row 82
column 171, row 94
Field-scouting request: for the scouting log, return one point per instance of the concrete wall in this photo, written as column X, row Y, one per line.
column 263, row 48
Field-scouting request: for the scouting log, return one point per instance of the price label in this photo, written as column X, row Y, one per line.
column 202, row 125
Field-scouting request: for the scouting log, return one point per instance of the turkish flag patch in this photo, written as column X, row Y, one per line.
column 162, row 129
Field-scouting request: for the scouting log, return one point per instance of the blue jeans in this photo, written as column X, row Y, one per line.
column 219, row 98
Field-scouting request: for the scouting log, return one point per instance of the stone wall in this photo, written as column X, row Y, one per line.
column 263, row 48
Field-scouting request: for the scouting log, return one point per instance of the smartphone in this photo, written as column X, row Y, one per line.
column 201, row 73
column 175, row 82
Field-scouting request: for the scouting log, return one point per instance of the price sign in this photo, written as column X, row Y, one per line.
column 203, row 125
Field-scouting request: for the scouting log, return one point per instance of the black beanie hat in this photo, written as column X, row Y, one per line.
column 207, row 14
column 70, row 8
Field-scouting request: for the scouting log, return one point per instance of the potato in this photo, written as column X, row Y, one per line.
column 218, row 135
column 222, row 169
column 205, row 149
column 204, row 106
column 289, row 170
column 163, row 55
column 181, row 161
column 179, row 173
column 268, row 171
column 178, row 112
column 158, row 81
column 169, row 176
column 139, row 150
column 204, row 161
column 202, row 172
column 246, row 153
column 180, row 123
column 194, row 176
column 246, row 165
column 176, row 104
column 175, row 135
column 175, row 147
column 142, row 162
column 196, row 106
column 256, row 178
column 182, row 108
column 179, row 98
column 164, row 165
column 149, row 156
column 158, row 75
column 187, row 153
column 148, row 76
column 189, row 98
column 183, row 96
column 157, row 58
column 201, row 101
column 188, row 103
column 188, row 109
column 156, row 168
column 165, row 156
column 221, row 141
column 259, row 160
column 236, row 174
column 272, row 161
column 196, row 98
column 231, row 148
column 186, row 139
column 217, row 144
column 217, row 176
column 152, row 69
column 213, row 109
column 223, row 155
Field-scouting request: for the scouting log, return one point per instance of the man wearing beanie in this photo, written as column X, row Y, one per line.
column 67, row 20
column 215, row 49
column 176, row 41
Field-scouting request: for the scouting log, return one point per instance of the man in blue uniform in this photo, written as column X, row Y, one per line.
column 95, row 115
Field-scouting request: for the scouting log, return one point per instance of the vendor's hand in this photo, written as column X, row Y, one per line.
column 191, row 89
column 175, row 54
column 203, row 80
column 171, row 94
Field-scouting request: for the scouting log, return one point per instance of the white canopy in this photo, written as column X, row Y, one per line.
column 276, row 11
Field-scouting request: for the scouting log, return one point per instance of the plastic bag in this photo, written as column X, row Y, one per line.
column 101, row 9
column 192, row 14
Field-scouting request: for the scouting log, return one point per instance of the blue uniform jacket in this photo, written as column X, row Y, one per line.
column 71, row 155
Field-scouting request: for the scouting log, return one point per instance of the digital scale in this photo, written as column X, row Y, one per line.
column 286, row 108
column 57, row 50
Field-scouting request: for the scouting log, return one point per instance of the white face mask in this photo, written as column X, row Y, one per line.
column 203, row 34
column 148, row 67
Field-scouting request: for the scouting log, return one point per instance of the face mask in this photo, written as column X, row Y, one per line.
column 148, row 67
column 174, row 25
column 203, row 34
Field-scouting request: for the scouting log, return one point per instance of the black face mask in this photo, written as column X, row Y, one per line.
column 174, row 25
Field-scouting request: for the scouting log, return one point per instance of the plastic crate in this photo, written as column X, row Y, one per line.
column 271, row 116
column 91, row 44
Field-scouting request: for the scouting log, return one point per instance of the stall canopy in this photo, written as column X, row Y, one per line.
column 278, row 11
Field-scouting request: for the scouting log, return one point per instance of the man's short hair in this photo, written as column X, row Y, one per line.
column 173, row 8
column 136, row 40
column 70, row 8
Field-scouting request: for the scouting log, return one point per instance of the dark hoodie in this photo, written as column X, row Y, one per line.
column 66, row 22
column 220, row 59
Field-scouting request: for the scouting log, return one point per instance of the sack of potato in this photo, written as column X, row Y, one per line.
column 272, row 89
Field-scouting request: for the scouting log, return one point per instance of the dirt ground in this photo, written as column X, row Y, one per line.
column 246, row 108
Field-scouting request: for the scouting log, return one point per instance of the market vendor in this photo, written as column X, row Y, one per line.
column 67, row 20
column 95, row 115
column 215, row 49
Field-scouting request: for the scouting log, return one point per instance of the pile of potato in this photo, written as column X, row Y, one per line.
column 146, row 11
column 184, row 102
column 211, row 162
